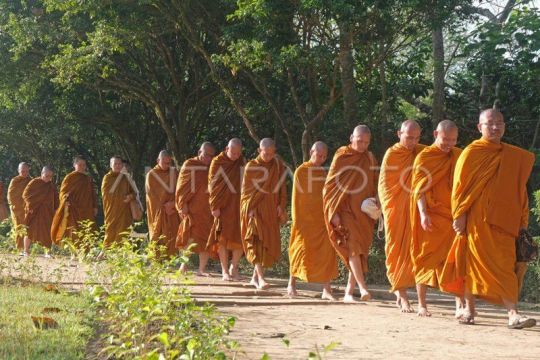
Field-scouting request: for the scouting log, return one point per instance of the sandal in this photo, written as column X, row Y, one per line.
column 520, row 322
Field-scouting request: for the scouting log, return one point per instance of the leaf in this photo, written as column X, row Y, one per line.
column 287, row 342
column 331, row 346
column 51, row 310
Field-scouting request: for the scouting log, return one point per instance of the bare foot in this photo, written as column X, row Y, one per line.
column 254, row 282
column 226, row 277
column 291, row 291
column 326, row 295
column 183, row 268
column 423, row 312
column 349, row 299
column 202, row 273
column 263, row 285
column 365, row 296
column 405, row 306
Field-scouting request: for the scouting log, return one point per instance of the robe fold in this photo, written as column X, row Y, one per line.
column 192, row 192
column 432, row 177
column 263, row 190
column 224, row 187
column 394, row 195
column 4, row 214
column 16, row 205
column 311, row 255
column 163, row 221
column 40, row 204
column 352, row 178
column 78, row 199
column 117, row 213
column 490, row 188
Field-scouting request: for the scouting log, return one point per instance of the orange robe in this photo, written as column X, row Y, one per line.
column 192, row 192
column 263, row 190
column 490, row 187
column 77, row 189
column 162, row 224
column 224, row 186
column 394, row 195
column 352, row 178
column 311, row 255
column 114, row 189
column 16, row 203
column 3, row 208
column 40, row 204
column 432, row 178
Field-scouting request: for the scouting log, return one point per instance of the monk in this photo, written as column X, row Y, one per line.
column 262, row 210
column 431, row 214
column 352, row 179
column 224, row 186
column 311, row 255
column 193, row 206
column 394, row 194
column 40, row 203
column 16, row 203
column 489, row 208
column 163, row 219
column 117, row 194
column 4, row 214
column 78, row 203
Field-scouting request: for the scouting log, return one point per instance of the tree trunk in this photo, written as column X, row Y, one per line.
column 350, row 112
column 438, row 76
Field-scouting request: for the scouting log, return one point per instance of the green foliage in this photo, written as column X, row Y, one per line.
column 149, row 314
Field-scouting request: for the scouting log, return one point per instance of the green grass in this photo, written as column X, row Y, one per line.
column 20, row 340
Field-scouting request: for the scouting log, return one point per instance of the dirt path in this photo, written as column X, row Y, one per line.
column 373, row 330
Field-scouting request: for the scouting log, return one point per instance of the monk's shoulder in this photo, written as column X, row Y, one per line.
column 456, row 151
column 525, row 154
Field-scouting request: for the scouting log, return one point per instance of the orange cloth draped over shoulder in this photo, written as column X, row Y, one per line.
column 163, row 219
column 224, row 185
column 192, row 192
column 263, row 190
column 394, row 195
column 16, row 204
column 40, row 204
column 115, row 188
column 78, row 199
column 3, row 207
column 352, row 178
column 490, row 188
column 432, row 177
column 311, row 255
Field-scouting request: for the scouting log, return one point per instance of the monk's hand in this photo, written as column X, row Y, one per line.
column 183, row 212
column 425, row 221
column 251, row 213
column 279, row 212
column 216, row 213
column 336, row 220
column 169, row 208
column 128, row 198
column 460, row 223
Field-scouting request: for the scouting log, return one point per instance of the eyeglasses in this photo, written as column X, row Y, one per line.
column 493, row 125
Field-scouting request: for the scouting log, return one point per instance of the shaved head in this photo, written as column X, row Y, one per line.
column 491, row 125
column 361, row 129
column 318, row 153
column 409, row 134
column 234, row 142
column 446, row 135
column 164, row 160
column 79, row 163
column 23, row 169
column 116, row 163
column 207, row 152
column 446, row 125
column 234, row 149
column 410, row 124
column 266, row 143
column 267, row 149
column 46, row 174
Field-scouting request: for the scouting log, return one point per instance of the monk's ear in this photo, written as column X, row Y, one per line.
column 435, row 133
column 259, row 150
column 399, row 133
column 479, row 126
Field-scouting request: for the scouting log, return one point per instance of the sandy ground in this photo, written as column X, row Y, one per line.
column 370, row 330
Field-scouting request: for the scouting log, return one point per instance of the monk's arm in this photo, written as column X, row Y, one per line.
column 525, row 212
